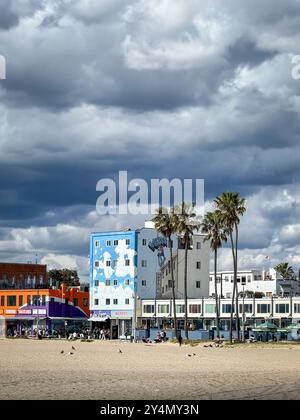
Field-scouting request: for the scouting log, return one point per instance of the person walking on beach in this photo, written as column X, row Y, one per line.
column 180, row 340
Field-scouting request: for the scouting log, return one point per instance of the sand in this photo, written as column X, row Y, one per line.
column 31, row 369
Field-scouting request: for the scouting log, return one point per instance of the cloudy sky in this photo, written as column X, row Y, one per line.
column 161, row 88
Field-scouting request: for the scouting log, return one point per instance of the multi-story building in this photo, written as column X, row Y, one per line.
column 280, row 311
column 22, row 276
column 48, row 309
column 123, row 268
column 268, row 283
column 127, row 266
column 197, row 271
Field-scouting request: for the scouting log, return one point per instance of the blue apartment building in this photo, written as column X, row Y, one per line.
column 123, row 271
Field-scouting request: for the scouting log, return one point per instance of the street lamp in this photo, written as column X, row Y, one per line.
column 243, row 311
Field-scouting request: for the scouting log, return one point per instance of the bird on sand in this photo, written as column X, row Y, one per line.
column 120, row 351
column 73, row 348
column 70, row 353
column 62, row 352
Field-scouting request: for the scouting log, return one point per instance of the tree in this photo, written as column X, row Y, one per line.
column 187, row 223
column 285, row 270
column 65, row 275
column 213, row 227
column 165, row 223
column 231, row 206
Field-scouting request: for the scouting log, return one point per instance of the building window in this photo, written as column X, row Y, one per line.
column 226, row 308
column 144, row 263
column 11, row 301
column 96, row 283
column 52, row 300
column 96, row 264
column 249, row 279
column 2, row 300
column 144, row 283
column 163, row 309
column 116, row 242
column 198, row 284
column 115, row 282
column 107, row 301
column 97, row 244
column 148, row 309
column 210, row 309
column 263, row 308
column 195, row 309
column 127, row 241
column 282, row 308
column 144, row 242
column 96, row 302
column 247, row 308
column 29, row 300
column 20, row 300
column 43, row 300
column 75, row 302
column 127, row 263
column 107, row 282
column 170, row 283
column 198, row 245
column 36, row 300
column 180, row 309
column 198, row 265
column 127, row 282
column 226, row 278
column 297, row 308
column 127, row 301
column 108, row 243
column 210, row 279
column 108, row 263
column 85, row 302
column 244, row 280
column 115, row 301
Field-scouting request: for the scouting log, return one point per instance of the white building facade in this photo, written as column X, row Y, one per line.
column 197, row 271
column 269, row 283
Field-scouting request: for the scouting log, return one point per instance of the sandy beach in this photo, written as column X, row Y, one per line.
column 97, row 370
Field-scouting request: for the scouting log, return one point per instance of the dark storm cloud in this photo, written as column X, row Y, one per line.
column 161, row 89
column 7, row 17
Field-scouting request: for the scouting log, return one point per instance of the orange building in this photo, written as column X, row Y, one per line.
column 26, row 309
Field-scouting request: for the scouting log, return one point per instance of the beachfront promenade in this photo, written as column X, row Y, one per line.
column 97, row 370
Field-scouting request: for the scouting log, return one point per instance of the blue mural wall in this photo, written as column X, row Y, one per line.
column 113, row 268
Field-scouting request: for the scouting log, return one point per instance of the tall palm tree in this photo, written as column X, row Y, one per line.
column 213, row 227
column 166, row 223
column 187, row 223
column 231, row 207
column 285, row 270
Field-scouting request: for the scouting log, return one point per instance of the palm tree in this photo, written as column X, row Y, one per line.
column 166, row 222
column 231, row 206
column 285, row 270
column 187, row 223
column 213, row 227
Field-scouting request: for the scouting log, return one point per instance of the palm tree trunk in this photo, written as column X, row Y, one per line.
column 237, row 294
column 216, row 296
column 185, row 291
column 233, row 289
column 173, row 287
